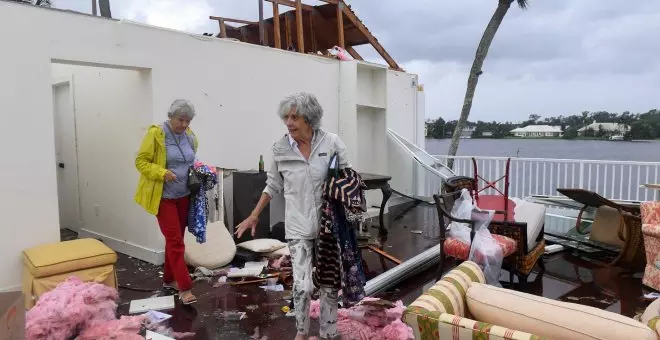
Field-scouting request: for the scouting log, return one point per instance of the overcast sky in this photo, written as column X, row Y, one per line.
column 556, row 57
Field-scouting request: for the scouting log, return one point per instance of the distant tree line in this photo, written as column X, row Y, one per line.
column 642, row 125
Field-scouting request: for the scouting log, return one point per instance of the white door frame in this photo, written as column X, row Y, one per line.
column 59, row 81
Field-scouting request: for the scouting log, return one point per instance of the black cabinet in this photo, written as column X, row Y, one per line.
column 247, row 189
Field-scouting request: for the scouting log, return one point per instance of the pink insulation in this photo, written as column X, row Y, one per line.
column 88, row 310
column 126, row 327
column 369, row 322
column 71, row 306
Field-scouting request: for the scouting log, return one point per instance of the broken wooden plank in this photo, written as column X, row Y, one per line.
column 223, row 28
column 374, row 42
column 291, row 4
column 312, row 35
column 353, row 53
column 340, row 25
column 287, row 31
column 261, row 22
column 299, row 27
column 276, row 26
column 238, row 21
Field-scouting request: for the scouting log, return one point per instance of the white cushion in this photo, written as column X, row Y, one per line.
column 534, row 215
column 280, row 252
column 262, row 245
column 550, row 318
column 218, row 250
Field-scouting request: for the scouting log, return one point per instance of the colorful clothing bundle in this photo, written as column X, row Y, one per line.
column 199, row 205
column 339, row 261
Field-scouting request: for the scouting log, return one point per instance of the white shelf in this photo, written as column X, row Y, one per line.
column 371, row 106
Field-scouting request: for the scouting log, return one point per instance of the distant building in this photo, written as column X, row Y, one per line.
column 486, row 134
column 467, row 131
column 609, row 128
column 536, row 131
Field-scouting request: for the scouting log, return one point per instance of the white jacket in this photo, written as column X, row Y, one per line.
column 301, row 181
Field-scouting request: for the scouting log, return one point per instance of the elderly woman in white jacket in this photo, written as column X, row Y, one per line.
column 299, row 167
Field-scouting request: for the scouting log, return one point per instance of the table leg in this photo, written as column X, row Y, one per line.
column 387, row 193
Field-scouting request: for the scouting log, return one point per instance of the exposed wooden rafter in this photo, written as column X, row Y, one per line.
column 299, row 27
column 238, row 21
column 277, row 35
column 291, row 4
column 307, row 29
column 353, row 53
column 374, row 42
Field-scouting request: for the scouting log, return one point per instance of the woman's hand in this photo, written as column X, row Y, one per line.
column 248, row 223
column 170, row 176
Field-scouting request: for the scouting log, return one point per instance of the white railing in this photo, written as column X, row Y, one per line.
column 541, row 176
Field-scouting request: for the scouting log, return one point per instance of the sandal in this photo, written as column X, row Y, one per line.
column 189, row 300
column 172, row 286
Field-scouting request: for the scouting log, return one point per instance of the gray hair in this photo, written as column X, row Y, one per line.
column 181, row 108
column 306, row 105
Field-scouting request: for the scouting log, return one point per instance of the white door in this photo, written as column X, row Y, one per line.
column 66, row 159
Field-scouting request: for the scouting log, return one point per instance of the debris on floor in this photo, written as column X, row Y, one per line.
column 152, row 303
column 369, row 319
column 229, row 315
column 86, row 310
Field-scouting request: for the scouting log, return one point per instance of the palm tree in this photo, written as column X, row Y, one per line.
column 482, row 50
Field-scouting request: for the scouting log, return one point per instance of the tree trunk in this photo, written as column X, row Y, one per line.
column 104, row 8
column 482, row 50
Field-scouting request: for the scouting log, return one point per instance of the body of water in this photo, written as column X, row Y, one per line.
column 642, row 151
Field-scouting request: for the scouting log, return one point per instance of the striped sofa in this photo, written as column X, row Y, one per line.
column 442, row 313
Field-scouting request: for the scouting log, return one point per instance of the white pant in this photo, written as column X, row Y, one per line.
column 301, row 258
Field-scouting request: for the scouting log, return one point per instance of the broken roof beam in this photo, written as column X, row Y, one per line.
column 299, row 27
column 354, row 53
column 374, row 42
column 291, row 4
column 277, row 34
column 340, row 27
column 237, row 21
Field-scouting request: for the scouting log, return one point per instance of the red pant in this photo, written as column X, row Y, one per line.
column 172, row 218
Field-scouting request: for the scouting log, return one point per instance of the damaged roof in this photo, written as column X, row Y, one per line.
column 320, row 30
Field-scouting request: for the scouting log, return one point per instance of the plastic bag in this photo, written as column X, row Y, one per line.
column 462, row 210
column 485, row 251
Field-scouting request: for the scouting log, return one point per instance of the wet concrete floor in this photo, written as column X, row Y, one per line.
column 568, row 277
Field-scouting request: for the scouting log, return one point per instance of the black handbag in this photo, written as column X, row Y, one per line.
column 194, row 180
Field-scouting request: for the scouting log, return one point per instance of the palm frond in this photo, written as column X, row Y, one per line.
column 523, row 3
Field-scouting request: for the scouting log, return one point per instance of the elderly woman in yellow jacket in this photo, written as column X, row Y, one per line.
column 167, row 152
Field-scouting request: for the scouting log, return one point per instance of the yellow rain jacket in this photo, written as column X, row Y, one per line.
column 151, row 163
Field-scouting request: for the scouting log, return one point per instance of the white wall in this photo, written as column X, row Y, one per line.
column 401, row 117
column 112, row 112
column 236, row 88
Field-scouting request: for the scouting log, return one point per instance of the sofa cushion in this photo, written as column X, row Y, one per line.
column 67, row 256
column 652, row 311
column 460, row 250
column 550, row 318
column 262, row 245
column 534, row 215
column 448, row 294
column 218, row 250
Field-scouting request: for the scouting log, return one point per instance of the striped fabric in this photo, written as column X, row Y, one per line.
column 440, row 312
column 654, row 324
column 346, row 192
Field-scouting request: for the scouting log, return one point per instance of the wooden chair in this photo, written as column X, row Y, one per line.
column 614, row 224
column 512, row 237
column 454, row 248
column 503, row 208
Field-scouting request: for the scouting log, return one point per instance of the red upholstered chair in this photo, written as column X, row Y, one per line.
column 459, row 249
column 651, row 232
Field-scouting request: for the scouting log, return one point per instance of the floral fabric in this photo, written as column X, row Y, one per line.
column 460, row 250
column 198, row 212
